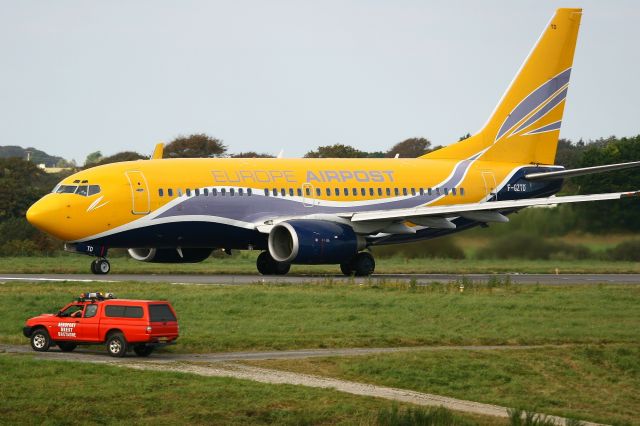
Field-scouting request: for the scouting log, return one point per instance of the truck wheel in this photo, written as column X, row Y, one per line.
column 116, row 345
column 67, row 346
column 143, row 350
column 40, row 340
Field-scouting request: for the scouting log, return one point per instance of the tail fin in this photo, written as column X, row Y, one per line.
column 525, row 125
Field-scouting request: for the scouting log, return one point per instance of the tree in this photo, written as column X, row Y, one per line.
column 120, row 156
column 251, row 154
column 613, row 215
column 19, row 186
column 336, row 151
column 195, row 146
column 93, row 158
column 410, row 148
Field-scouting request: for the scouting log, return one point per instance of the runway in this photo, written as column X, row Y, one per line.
column 420, row 279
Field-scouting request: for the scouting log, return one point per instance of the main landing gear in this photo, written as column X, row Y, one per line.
column 100, row 266
column 361, row 265
column 267, row 265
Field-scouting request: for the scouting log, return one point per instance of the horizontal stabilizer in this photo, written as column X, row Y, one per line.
column 561, row 174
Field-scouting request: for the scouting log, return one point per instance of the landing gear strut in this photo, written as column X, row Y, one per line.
column 267, row 265
column 100, row 266
column 361, row 265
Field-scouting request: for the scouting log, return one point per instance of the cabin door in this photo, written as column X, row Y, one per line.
column 140, row 197
column 490, row 186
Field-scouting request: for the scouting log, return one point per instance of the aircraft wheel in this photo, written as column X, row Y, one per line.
column 346, row 268
column 100, row 266
column 267, row 265
column 363, row 264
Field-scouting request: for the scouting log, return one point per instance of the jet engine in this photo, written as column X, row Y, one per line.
column 170, row 255
column 309, row 242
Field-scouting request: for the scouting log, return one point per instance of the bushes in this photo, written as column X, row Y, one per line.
column 442, row 248
column 523, row 245
column 626, row 250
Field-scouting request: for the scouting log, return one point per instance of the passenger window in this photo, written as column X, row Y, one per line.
column 354, row 191
column 429, row 191
column 197, row 191
column 266, row 192
column 421, row 191
column 232, row 192
column 291, row 192
column 371, row 192
column 206, row 191
column 328, row 191
column 363, row 191
column 437, row 191
column 170, row 192
column 161, row 192
column 379, row 192
column 240, row 192
column 275, row 191
column 346, row 191
column 94, row 189
column 453, row 191
column 396, row 191
column 223, row 191
column 188, row 192
column 249, row 191
column 337, row 191
column 179, row 192
column 283, row 192
column 82, row 190
column 300, row 192
column 90, row 311
column 461, row 192
column 404, row 191
column 413, row 191
column 307, row 191
column 388, row 191
column 446, row 191
column 318, row 192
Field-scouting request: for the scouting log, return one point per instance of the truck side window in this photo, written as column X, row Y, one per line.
column 90, row 311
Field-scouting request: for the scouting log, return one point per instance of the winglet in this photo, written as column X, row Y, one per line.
column 158, row 151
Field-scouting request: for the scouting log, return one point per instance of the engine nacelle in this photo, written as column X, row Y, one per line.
column 177, row 255
column 313, row 242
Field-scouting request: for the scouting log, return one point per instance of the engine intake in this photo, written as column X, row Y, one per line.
column 313, row 242
column 170, row 255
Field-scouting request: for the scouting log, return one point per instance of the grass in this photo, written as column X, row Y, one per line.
column 262, row 317
column 99, row 394
column 597, row 383
column 244, row 263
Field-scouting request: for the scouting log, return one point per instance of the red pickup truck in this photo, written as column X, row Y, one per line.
column 123, row 324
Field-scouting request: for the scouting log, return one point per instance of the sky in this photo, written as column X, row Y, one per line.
column 82, row 76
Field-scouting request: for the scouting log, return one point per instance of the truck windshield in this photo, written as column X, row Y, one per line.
column 160, row 313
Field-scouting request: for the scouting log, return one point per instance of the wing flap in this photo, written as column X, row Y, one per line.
column 495, row 206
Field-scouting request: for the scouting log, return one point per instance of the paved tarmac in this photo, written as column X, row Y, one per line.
column 420, row 279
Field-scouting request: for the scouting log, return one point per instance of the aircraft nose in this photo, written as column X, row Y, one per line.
column 42, row 215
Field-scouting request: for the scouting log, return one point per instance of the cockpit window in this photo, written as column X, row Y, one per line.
column 84, row 190
column 66, row 189
column 94, row 189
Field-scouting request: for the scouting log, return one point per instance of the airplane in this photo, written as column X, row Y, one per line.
column 330, row 211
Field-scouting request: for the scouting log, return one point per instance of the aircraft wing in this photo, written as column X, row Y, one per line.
column 490, row 211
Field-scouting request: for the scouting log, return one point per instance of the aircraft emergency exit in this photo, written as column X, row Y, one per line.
column 329, row 211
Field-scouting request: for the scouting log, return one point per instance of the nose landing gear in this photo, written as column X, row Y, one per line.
column 100, row 266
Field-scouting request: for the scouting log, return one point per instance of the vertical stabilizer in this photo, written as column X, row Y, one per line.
column 525, row 125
